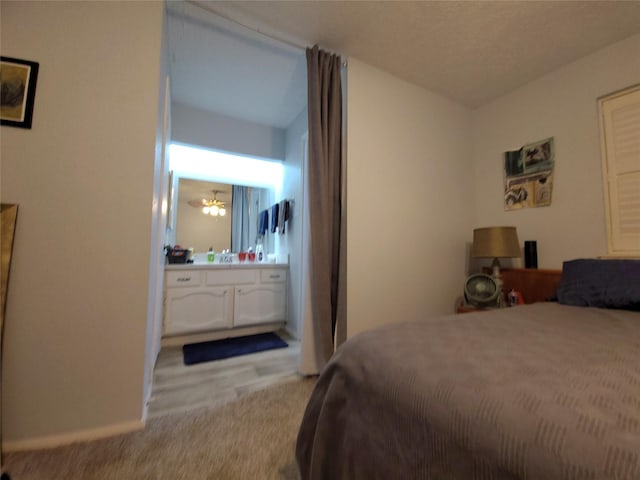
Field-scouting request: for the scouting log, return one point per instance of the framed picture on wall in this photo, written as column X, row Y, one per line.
column 528, row 175
column 17, row 91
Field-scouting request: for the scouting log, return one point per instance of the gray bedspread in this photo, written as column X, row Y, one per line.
column 541, row 391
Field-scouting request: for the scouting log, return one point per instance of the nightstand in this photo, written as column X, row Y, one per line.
column 535, row 285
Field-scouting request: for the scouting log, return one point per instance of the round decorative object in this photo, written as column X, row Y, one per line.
column 481, row 290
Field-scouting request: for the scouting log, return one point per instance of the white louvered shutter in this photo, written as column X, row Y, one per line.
column 620, row 129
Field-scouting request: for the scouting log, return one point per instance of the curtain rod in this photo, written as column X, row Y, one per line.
column 256, row 30
column 237, row 22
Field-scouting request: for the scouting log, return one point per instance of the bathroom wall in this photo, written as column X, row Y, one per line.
column 201, row 128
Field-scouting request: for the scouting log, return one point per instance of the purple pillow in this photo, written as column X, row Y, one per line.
column 600, row 283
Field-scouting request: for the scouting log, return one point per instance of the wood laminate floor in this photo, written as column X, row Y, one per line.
column 178, row 387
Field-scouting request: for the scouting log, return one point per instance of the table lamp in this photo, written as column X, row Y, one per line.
column 495, row 242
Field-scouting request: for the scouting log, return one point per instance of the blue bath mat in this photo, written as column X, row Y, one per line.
column 230, row 347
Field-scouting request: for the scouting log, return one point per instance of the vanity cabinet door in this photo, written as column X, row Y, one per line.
column 262, row 303
column 198, row 309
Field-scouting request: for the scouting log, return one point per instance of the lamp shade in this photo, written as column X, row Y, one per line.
column 495, row 242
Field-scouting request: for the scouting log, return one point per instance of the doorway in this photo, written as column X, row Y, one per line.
column 219, row 103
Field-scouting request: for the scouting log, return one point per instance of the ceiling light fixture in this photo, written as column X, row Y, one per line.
column 213, row 207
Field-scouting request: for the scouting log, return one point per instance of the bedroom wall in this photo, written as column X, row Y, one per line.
column 563, row 104
column 410, row 199
column 76, row 324
column 212, row 130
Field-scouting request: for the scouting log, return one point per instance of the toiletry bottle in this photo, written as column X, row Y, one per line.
column 512, row 298
column 259, row 251
column 211, row 255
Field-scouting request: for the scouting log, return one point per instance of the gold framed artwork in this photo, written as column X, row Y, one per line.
column 9, row 216
column 17, row 91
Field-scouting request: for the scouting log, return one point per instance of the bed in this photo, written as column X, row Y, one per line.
column 546, row 391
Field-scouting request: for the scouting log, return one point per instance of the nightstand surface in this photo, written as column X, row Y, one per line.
column 470, row 308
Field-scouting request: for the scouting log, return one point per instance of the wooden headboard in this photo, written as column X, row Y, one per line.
column 535, row 285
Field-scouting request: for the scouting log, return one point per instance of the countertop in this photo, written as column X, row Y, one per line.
column 223, row 266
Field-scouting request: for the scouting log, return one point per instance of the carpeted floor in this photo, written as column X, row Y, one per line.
column 251, row 438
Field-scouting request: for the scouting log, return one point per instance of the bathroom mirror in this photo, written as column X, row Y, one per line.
column 236, row 230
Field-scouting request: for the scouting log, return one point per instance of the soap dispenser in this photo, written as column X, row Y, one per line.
column 259, row 251
column 211, row 255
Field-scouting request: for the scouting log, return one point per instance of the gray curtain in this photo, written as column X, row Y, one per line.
column 240, row 219
column 325, row 195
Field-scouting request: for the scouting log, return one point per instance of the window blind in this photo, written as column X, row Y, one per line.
column 620, row 133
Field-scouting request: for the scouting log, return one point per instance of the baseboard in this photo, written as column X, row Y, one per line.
column 290, row 332
column 52, row 441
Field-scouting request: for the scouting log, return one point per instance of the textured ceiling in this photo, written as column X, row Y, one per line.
column 469, row 51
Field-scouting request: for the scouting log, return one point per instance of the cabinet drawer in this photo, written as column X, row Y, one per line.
column 231, row 277
column 273, row 276
column 182, row 278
